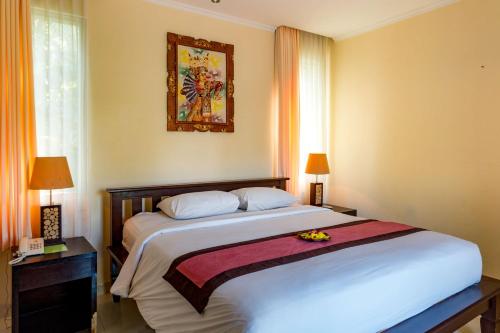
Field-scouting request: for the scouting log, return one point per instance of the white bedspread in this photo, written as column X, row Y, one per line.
column 366, row 288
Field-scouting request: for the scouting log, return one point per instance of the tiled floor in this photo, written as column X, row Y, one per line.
column 119, row 317
column 472, row 327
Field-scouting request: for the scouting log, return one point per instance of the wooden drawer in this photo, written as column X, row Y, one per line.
column 63, row 307
column 31, row 277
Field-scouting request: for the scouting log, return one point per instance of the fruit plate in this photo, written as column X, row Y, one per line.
column 314, row 236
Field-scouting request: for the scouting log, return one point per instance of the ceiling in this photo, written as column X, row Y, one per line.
column 334, row 18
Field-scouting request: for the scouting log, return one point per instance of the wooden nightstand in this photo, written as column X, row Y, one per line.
column 340, row 209
column 55, row 292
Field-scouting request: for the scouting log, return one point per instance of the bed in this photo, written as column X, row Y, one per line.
column 419, row 282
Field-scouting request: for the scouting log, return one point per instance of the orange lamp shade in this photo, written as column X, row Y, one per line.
column 50, row 173
column 317, row 164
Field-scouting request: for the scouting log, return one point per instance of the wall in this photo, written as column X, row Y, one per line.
column 416, row 112
column 128, row 141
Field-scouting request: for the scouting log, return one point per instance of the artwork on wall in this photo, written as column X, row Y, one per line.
column 200, row 85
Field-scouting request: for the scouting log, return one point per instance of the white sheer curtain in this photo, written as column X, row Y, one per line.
column 314, row 68
column 59, row 74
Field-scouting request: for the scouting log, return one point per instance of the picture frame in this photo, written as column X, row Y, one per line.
column 200, row 85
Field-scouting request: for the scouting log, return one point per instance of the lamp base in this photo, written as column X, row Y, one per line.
column 50, row 224
column 316, row 194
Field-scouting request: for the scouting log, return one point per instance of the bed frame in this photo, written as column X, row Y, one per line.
column 481, row 299
column 128, row 201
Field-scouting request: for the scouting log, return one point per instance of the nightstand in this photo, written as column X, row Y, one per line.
column 340, row 209
column 55, row 292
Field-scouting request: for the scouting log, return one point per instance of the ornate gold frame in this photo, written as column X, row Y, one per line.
column 173, row 40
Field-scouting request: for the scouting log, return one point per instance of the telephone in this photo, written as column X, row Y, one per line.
column 28, row 247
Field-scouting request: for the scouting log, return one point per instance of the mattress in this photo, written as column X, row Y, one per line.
column 386, row 281
column 138, row 224
column 144, row 222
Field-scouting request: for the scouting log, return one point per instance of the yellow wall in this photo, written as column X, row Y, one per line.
column 416, row 122
column 128, row 141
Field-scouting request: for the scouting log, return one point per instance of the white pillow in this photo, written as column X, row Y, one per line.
column 260, row 198
column 199, row 204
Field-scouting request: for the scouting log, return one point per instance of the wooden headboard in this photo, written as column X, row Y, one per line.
column 139, row 197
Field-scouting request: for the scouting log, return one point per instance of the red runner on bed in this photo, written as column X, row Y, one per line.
column 197, row 274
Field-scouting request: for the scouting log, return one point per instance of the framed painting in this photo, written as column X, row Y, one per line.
column 200, row 85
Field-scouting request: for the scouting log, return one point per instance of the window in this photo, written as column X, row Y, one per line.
column 58, row 38
column 314, row 67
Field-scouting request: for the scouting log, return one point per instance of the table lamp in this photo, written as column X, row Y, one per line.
column 50, row 173
column 317, row 164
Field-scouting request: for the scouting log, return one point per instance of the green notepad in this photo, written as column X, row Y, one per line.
column 55, row 248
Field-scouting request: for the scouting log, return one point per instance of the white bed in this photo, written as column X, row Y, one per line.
column 365, row 288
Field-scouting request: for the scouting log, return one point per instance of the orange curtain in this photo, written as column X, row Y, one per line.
column 18, row 205
column 286, row 93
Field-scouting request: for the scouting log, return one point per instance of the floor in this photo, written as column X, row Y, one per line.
column 119, row 317
column 124, row 317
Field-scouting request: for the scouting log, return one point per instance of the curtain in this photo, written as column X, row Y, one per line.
column 302, row 86
column 314, row 68
column 286, row 92
column 59, row 73
column 18, row 205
